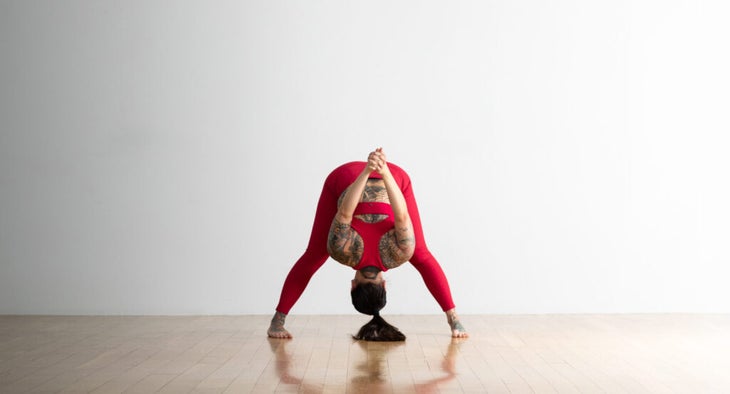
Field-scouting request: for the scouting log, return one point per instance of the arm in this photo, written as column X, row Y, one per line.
column 343, row 242
column 352, row 197
column 400, row 242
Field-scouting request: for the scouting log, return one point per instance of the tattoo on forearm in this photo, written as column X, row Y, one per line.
column 406, row 242
column 405, row 238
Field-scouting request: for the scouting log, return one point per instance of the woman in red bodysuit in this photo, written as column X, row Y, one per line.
column 361, row 202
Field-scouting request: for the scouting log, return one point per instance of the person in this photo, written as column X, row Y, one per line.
column 367, row 219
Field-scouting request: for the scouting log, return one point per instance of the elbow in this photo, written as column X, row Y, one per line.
column 406, row 248
column 402, row 219
column 343, row 217
column 408, row 253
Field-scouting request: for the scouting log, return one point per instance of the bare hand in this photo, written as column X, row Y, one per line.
column 377, row 161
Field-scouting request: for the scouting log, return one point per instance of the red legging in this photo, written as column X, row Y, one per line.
column 316, row 253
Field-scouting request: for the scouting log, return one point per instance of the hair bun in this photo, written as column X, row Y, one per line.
column 377, row 329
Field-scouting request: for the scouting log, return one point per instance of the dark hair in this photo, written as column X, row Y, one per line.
column 369, row 299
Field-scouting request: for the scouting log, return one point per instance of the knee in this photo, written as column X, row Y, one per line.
column 310, row 262
column 422, row 256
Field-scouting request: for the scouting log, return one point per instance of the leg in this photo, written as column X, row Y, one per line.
column 437, row 284
column 308, row 264
column 427, row 265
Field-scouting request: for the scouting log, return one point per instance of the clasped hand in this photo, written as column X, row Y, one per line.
column 377, row 162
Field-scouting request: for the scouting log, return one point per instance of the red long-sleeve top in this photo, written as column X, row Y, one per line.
column 316, row 253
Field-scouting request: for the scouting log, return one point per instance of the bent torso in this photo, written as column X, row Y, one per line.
column 352, row 251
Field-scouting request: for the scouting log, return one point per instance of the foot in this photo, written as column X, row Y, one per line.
column 457, row 329
column 276, row 329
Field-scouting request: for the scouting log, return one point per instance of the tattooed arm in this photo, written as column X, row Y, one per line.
column 352, row 196
column 343, row 242
column 399, row 244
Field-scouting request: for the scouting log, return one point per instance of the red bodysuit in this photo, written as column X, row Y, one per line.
column 371, row 233
column 316, row 253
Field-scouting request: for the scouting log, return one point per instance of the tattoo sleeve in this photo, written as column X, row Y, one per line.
column 344, row 244
column 397, row 246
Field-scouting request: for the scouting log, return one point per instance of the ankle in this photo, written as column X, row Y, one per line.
column 278, row 320
column 452, row 316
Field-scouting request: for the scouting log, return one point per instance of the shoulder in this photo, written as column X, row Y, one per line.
column 401, row 176
column 344, row 175
column 397, row 170
column 348, row 170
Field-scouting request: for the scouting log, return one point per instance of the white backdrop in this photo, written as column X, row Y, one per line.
column 166, row 157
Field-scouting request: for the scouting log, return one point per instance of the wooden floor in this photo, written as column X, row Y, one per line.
column 506, row 354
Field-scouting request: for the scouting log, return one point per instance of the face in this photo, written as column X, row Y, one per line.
column 362, row 279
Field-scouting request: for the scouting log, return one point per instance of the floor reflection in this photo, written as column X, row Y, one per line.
column 448, row 367
column 371, row 371
column 360, row 366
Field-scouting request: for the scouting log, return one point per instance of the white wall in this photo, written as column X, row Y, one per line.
column 166, row 157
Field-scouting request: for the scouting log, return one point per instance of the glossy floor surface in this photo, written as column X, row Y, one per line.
column 505, row 354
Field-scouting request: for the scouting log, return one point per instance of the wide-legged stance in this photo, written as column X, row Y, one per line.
column 316, row 252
